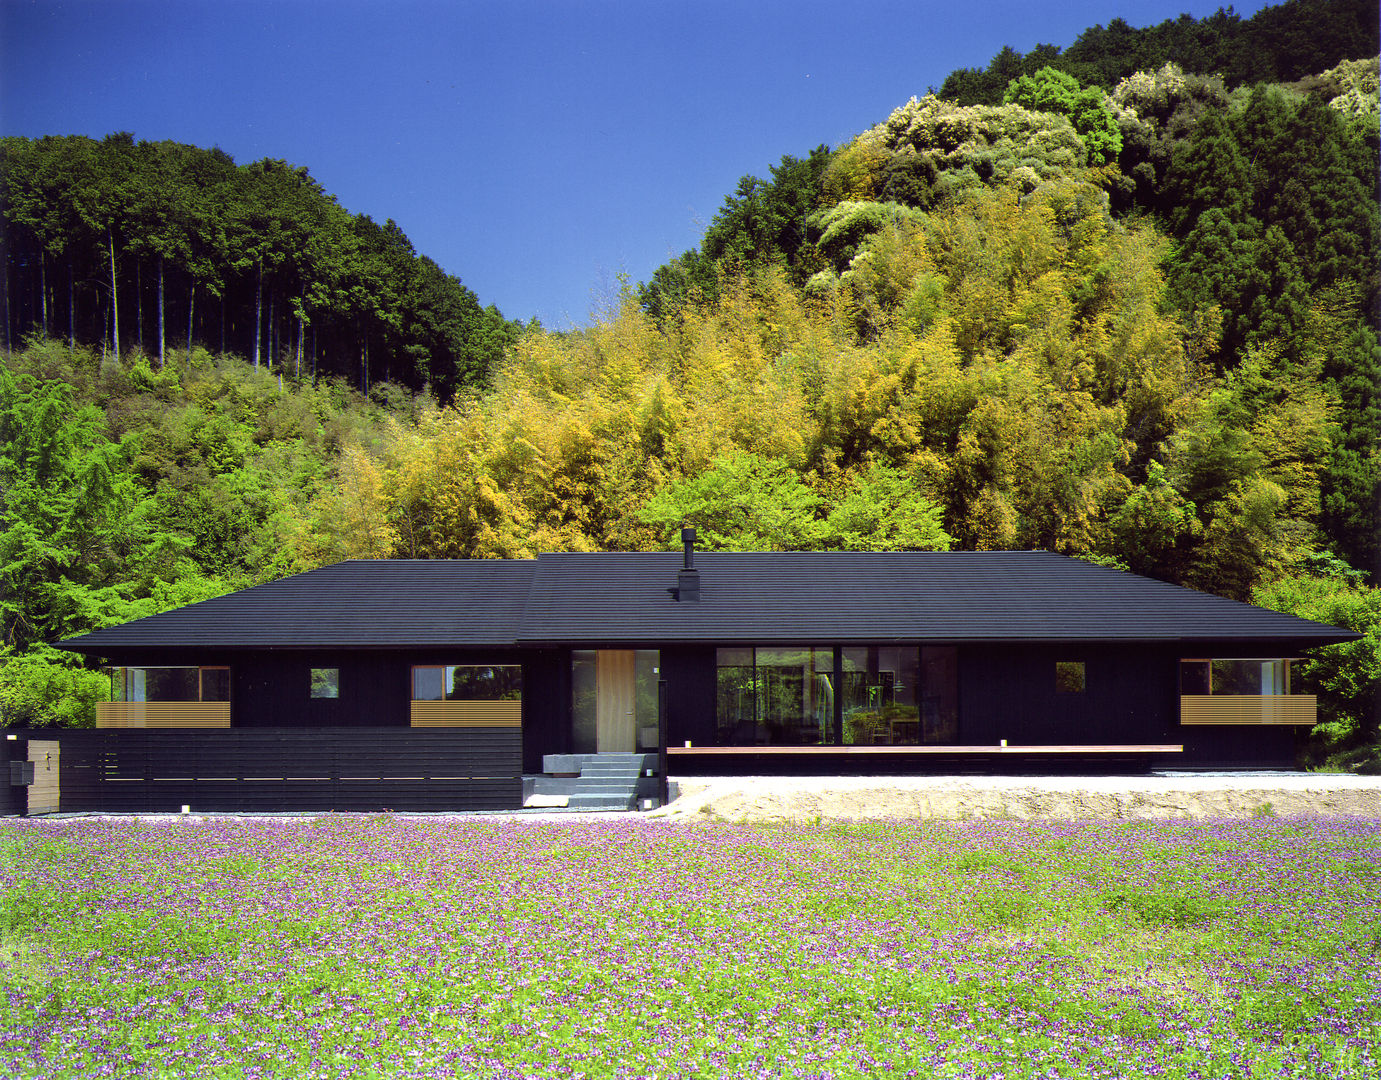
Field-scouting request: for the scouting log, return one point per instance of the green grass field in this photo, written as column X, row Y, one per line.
column 380, row 946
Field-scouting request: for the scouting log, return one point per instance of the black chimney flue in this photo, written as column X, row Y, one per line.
column 688, row 580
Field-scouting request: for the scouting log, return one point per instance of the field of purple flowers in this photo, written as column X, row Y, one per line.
column 393, row 947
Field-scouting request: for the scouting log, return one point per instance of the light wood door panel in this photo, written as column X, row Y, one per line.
column 43, row 793
column 614, row 700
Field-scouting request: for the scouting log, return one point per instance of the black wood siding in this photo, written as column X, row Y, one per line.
column 546, row 706
column 689, row 671
column 1130, row 695
column 13, row 799
column 273, row 690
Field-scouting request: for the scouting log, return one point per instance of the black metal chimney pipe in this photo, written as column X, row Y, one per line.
column 688, row 580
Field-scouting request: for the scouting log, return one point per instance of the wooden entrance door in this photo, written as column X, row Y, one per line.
column 43, row 792
column 614, row 701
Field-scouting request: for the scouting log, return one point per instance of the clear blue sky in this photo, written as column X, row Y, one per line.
column 534, row 148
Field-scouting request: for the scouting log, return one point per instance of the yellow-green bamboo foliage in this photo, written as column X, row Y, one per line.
column 1010, row 356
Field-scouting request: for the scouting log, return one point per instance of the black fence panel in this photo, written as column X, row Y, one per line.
column 292, row 769
column 14, row 794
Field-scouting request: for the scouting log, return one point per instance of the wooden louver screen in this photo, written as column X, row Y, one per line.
column 163, row 714
column 1248, row 709
column 426, row 714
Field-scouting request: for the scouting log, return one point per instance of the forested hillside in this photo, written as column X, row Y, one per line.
column 148, row 246
column 1128, row 319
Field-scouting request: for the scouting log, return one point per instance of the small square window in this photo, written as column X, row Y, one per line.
column 325, row 682
column 1069, row 676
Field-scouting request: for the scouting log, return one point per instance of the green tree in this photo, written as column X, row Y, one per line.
column 884, row 511
column 1049, row 90
column 742, row 503
column 1346, row 677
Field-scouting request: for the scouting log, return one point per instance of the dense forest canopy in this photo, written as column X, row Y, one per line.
column 150, row 245
column 1109, row 310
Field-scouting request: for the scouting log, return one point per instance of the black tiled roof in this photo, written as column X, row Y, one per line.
column 350, row 604
column 622, row 598
column 1025, row 596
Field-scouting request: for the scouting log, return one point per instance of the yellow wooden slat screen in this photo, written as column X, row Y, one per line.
column 1248, row 709
column 467, row 714
column 163, row 714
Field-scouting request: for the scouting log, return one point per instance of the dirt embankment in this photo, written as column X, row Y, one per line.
column 852, row 798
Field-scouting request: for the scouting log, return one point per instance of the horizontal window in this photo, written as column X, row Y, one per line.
column 879, row 695
column 467, row 682
column 1235, row 678
column 170, row 684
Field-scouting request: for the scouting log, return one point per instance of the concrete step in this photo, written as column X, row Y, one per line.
column 574, row 785
column 574, row 763
column 601, row 802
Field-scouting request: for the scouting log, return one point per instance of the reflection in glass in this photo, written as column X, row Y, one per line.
column 584, row 731
column 428, row 683
column 939, row 694
column 646, row 672
column 879, row 684
column 735, row 698
column 325, row 682
column 1069, row 677
column 1250, row 677
column 484, row 682
column 795, row 696
column 468, row 682
column 887, row 695
column 215, row 684
column 170, row 684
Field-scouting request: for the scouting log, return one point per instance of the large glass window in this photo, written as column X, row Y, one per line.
column 1235, row 678
column 180, row 684
column 782, row 696
column 880, row 695
column 939, row 694
column 584, row 735
column 880, row 684
column 736, row 707
column 467, row 682
column 795, row 696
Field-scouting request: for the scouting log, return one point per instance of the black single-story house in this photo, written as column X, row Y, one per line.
column 441, row 684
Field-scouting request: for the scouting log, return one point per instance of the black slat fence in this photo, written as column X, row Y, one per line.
column 286, row 769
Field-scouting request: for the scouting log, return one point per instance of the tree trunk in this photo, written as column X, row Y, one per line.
column 191, row 308
column 364, row 364
column 297, row 369
column 5, row 272
column 162, row 335
column 43, row 287
column 223, row 292
column 258, row 308
column 268, row 360
column 139, row 301
column 114, row 295
column 71, row 306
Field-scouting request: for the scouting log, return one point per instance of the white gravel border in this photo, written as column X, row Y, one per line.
column 1155, row 796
